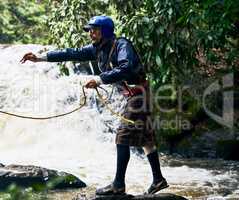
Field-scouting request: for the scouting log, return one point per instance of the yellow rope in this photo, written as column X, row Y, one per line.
column 122, row 118
column 53, row 116
column 74, row 110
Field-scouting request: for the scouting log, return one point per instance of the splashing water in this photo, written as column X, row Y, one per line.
column 83, row 143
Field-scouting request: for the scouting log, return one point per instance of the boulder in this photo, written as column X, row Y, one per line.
column 209, row 144
column 37, row 177
column 161, row 196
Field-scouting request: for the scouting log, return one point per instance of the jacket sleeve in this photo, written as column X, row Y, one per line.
column 78, row 54
column 126, row 64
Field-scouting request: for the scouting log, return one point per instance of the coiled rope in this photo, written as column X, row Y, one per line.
column 82, row 104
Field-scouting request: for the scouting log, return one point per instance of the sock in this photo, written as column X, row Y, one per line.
column 123, row 156
column 155, row 166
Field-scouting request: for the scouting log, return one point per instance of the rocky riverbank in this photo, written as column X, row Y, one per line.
column 163, row 196
column 42, row 179
column 37, row 177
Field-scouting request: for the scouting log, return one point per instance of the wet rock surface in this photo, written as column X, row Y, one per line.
column 37, row 178
column 212, row 144
column 163, row 196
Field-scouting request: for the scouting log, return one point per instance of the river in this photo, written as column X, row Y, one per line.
column 82, row 143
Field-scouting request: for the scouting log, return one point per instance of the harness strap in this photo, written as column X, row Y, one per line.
column 109, row 63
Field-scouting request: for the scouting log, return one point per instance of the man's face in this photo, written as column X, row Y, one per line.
column 95, row 35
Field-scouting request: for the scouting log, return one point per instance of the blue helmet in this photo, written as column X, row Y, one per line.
column 104, row 22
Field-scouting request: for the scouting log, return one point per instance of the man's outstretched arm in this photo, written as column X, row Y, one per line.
column 85, row 53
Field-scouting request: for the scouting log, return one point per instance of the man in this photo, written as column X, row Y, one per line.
column 119, row 64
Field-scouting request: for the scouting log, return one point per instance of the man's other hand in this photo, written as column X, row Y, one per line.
column 91, row 84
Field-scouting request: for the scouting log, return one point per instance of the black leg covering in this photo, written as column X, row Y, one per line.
column 155, row 166
column 123, row 156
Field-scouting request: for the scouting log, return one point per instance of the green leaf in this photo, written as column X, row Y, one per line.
column 158, row 61
column 170, row 11
column 146, row 19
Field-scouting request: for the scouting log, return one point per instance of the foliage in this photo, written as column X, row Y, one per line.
column 16, row 193
column 23, row 21
column 67, row 19
column 37, row 191
column 170, row 33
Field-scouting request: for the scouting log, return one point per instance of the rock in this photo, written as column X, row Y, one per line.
column 37, row 177
column 1, row 165
column 227, row 149
column 205, row 144
column 162, row 196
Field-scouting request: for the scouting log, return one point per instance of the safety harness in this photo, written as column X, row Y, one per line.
column 129, row 90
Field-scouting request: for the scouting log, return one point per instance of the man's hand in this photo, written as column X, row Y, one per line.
column 91, row 84
column 29, row 56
